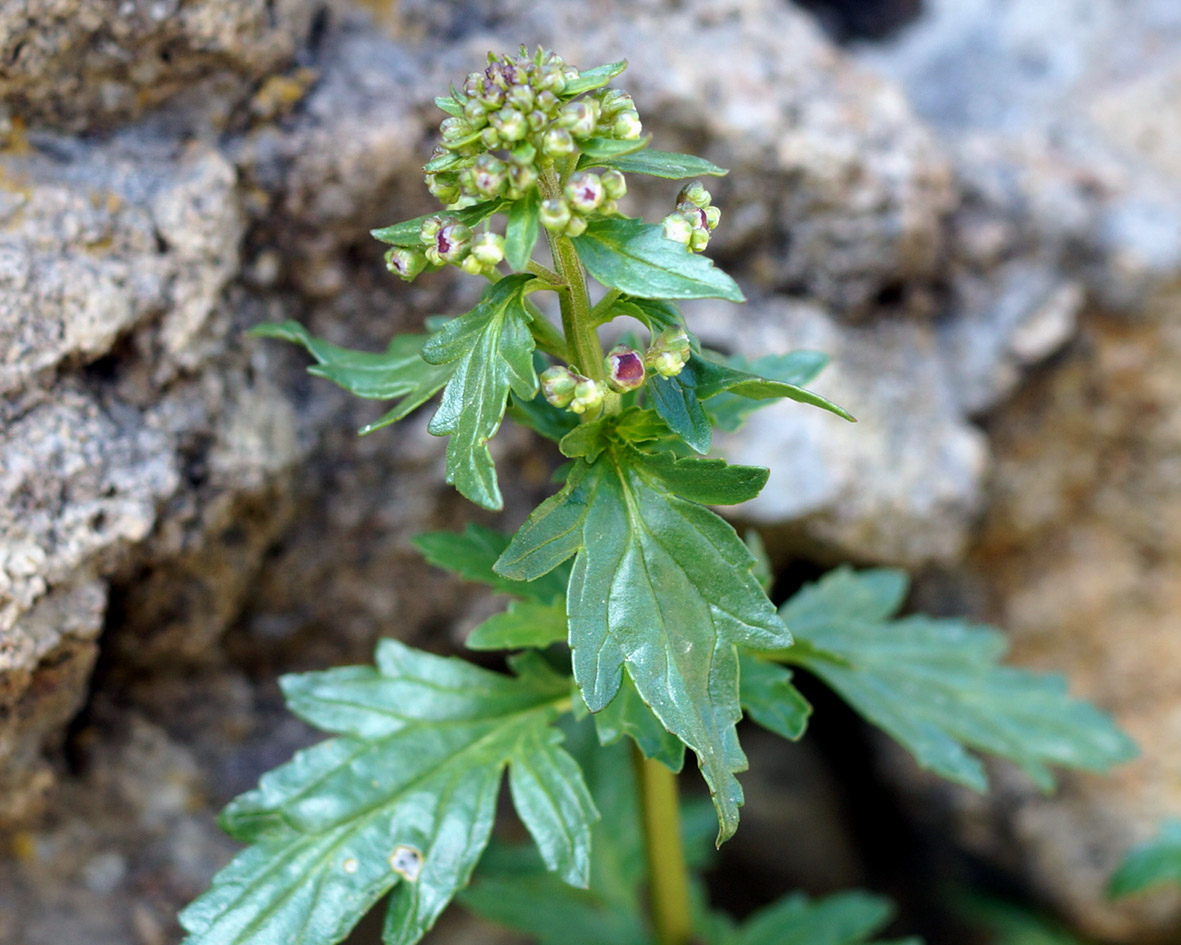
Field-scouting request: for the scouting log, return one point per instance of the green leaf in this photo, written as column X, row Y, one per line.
column 407, row 233
column 675, row 400
column 449, row 105
column 542, row 417
column 492, row 348
column 656, row 314
column 593, row 79
column 713, row 379
column 708, row 481
column 935, row 685
column 729, row 411
column 635, row 258
column 512, row 888
column 471, row 554
column 521, row 233
column 402, row 799
column 1157, row 861
column 524, row 624
column 847, row 918
column 660, row 587
column 399, row 371
column 594, row 150
column 769, row 697
column 1011, row 924
column 665, row 164
column 628, row 714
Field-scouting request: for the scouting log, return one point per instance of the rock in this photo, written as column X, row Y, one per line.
column 82, row 64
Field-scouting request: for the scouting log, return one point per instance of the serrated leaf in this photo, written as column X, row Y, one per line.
column 846, row 918
column 523, row 624
column 593, row 150
column 628, row 714
column 635, row 258
column 399, row 371
column 936, row 686
column 769, row 697
column 402, row 799
column 675, row 400
column 660, row 587
column 408, row 232
column 665, row 164
column 729, row 411
column 708, row 481
column 593, row 79
column 712, row 379
column 471, row 554
column 492, row 349
column 512, row 889
column 1157, row 861
column 522, row 230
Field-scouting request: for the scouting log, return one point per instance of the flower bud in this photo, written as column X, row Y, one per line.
column 712, row 216
column 536, row 119
column 510, row 123
column 576, row 227
column 625, row 369
column 473, row 85
column 454, row 128
column 452, row 242
column 554, row 214
column 557, row 385
column 696, row 194
column 472, row 266
column 522, row 177
column 405, row 263
column 698, row 240
column 551, row 79
column 490, row 138
column 579, row 118
column 488, row 175
column 430, row 227
column 445, row 187
column 520, row 97
column 614, row 184
column 677, row 228
column 547, row 101
column 588, row 395
column 475, row 113
column 668, row 364
column 585, row 192
column 627, row 125
column 614, row 101
column 488, row 249
column 668, row 352
column 557, row 142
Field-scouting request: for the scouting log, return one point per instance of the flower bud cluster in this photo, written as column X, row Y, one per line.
column 694, row 219
column 585, row 193
column 563, row 388
column 516, row 116
column 668, row 352
column 626, row 370
column 446, row 241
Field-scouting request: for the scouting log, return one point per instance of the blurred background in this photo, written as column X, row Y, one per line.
column 974, row 206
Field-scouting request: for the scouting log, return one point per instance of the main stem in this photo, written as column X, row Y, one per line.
column 582, row 341
column 668, row 877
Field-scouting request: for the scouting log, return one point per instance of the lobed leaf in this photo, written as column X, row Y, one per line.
column 492, row 350
column 712, row 379
column 471, row 554
column 936, row 687
column 397, row 372
column 728, row 411
column 1157, row 861
column 403, row 799
column 675, row 400
column 662, row 588
column 628, row 714
column 523, row 624
column 769, row 697
column 846, row 918
column 635, row 258
column 664, row 164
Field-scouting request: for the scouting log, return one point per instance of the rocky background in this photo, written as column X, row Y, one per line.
column 973, row 205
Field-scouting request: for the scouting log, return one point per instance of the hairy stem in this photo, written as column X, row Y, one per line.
column 581, row 340
column 668, row 877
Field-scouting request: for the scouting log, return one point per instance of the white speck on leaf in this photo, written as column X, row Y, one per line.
column 406, row 862
column 350, row 865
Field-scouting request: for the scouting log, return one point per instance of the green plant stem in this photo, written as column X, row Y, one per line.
column 581, row 340
column 668, row 876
